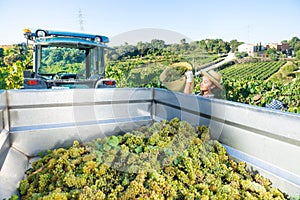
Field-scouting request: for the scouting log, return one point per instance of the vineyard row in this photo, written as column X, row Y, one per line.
column 257, row 70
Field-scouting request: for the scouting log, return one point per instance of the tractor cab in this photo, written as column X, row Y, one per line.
column 66, row 60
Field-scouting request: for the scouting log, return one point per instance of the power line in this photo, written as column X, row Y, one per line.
column 80, row 17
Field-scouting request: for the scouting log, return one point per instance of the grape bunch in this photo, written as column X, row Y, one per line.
column 169, row 160
column 175, row 73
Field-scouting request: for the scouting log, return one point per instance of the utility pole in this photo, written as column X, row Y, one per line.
column 80, row 17
column 248, row 33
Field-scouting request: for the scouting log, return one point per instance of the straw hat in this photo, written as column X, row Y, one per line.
column 257, row 98
column 214, row 77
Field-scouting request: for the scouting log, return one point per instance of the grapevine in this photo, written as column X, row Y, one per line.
column 243, row 90
column 257, row 70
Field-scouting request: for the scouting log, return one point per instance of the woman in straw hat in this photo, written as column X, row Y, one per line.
column 210, row 85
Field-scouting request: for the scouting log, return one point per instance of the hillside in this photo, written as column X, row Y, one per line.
column 141, row 66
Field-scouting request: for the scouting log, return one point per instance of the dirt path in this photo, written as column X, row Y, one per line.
column 228, row 58
column 280, row 73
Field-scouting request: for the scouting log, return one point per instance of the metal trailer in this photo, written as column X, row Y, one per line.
column 37, row 120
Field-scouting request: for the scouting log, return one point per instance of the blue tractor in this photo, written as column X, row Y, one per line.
column 66, row 60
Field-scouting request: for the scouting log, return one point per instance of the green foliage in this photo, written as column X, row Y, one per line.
column 145, row 71
column 243, row 81
column 295, row 42
column 298, row 55
column 272, row 53
column 240, row 54
column 14, row 197
column 16, row 59
column 295, row 198
column 286, row 73
column 159, row 48
column 61, row 57
column 243, row 90
column 168, row 160
column 234, row 45
column 1, row 52
column 143, row 66
column 256, row 70
column 11, row 77
column 144, row 76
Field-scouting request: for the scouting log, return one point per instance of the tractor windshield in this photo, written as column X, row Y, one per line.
column 84, row 62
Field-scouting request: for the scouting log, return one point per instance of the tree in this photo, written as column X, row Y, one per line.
column 203, row 44
column 1, row 52
column 158, row 44
column 12, row 55
column 298, row 55
column 218, row 46
column 183, row 44
column 293, row 41
column 234, row 45
column 127, row 50
column 143, row 47
column 174, row 48
column 240, row 54
column 260, row 47
column 183, row 41
column 273, row 54
column 1, row 57
column 193, row 46
column 296, row 46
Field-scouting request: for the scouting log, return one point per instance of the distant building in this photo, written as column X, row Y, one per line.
column 250, row 48
column 273, row 46
column 6, row 46
column 283, row 47
column 247, row 48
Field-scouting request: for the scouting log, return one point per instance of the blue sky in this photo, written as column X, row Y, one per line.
column 247, row 21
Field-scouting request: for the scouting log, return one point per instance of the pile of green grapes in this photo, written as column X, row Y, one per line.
column 168, row 160
column 175, row 73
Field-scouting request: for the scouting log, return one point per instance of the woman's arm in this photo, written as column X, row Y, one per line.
column 188, row 88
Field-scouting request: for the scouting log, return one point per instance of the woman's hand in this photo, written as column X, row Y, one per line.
column 189, row 82
column 189, row 76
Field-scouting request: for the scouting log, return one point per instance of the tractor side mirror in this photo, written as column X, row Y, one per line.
column 27, row 74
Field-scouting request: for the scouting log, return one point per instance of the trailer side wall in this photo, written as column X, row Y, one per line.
column 34, row 121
